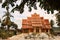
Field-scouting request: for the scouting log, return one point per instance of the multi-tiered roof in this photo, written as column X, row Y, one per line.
column 35, row 21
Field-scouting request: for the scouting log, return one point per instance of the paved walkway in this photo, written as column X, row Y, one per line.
column 22, row 37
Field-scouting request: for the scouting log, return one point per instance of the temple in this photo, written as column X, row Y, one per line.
column 35, row 24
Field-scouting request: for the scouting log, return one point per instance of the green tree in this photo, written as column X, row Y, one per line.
column 15, row 26
column 7, row 20
column 58, row 19
column 52, row 23
column 49, row 5
column 52, row 28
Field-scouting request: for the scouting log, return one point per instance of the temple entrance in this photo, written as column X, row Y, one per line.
column 36, row 24
column 37, row 30
column 26, row 30
column 43, row 30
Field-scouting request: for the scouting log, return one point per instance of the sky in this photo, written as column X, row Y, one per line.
column 18, row 17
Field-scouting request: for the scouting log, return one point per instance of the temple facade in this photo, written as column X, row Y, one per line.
column 35, row 24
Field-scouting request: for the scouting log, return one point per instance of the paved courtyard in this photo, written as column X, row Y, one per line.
column 22, row 37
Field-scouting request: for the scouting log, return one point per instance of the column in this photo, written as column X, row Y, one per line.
column 35, row 30
column 39, row 30
column 48, row 31
column 45, row 30
column 29, row 30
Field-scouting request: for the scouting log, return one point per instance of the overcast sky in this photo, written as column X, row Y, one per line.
column 18, row 17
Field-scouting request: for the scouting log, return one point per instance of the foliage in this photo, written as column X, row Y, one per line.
column 8, row 2
column 58, row 18
column 0, row 20
column 52, row 23
column 7, row 22
column 5, row 34
column 49, row 5
column 51, row 30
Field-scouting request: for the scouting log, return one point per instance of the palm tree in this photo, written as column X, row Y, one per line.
column 7, row 20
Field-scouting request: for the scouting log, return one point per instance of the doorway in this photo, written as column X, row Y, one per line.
column 37, row 29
